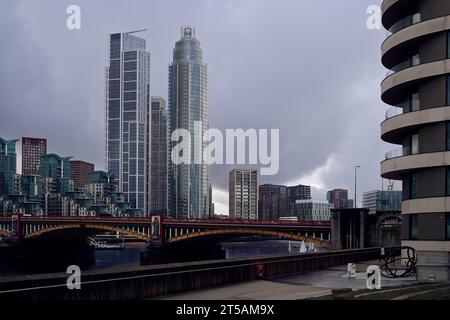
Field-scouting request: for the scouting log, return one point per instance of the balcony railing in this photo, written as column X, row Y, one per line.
column 410, row 62
column 407, row 106
column 406, row 22
column 392, row 112
column 405, row 151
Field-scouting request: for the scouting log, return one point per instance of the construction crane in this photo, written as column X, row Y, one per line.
column 136, row 31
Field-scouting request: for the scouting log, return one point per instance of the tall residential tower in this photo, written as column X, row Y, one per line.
column 243, row 194
column 158, row 153
column 127, row 116
column 188, row 183
column 418, row 87
column 32, row 151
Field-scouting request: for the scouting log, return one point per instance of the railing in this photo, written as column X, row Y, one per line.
column 405, row 151
column 168, row 220
column 405, row 22
column 410, row 62
column 392, row 112
column 408, row 106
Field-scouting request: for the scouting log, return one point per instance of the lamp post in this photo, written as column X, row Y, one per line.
column 354, row 201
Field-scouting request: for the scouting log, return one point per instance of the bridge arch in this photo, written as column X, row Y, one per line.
column 93, row 227
column 231, row 232
column 5, row 233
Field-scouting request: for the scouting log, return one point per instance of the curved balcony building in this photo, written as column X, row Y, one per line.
column 417, row 53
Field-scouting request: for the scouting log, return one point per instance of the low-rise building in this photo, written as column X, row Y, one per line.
column 311, row 210
column 382, row 201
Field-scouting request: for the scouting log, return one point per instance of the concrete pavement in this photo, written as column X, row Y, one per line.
column 308, row 285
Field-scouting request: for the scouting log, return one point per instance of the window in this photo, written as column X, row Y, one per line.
column 413, row 186
column 448, row 90
column 416, row 18
column 415, row 60
column 447, row 182
column 130, row 76
column 413, row 219
column 129, row 86
column 448, row 45
column 131, row 55
column 415, row 102
column 448, row 136
column 130, row 66
column 448, row 226
column 415, row 144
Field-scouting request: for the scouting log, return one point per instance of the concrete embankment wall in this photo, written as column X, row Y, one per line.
column 158, row 280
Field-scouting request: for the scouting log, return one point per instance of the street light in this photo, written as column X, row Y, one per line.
column 354, row 201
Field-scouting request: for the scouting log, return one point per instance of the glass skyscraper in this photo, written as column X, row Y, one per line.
column 158, row 165
column 128, row 116
column 8, row 163
column 188, row 184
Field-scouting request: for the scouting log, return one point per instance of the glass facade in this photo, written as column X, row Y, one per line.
column 158, row 153
column 447, row 181
column 57, row 168
column 448, row 45
column 309, row 210
column 448, row 91
column 188, row 184
column 8, row 167
column 447, row 137
column 413, row 186
column 382, row 201
column 413, row 223
column 447, row 226
column 127, row 116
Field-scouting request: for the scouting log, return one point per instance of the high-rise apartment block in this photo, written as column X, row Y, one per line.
column 158, row 160
column 298, row 192
column 128, row 116
column 188, row 180
column 79, row 172
column 272, row 202
column 8, row 168
column 32, row 151
column 243, row 194
column 417, row 54
column 275, row 201
column 339, row 199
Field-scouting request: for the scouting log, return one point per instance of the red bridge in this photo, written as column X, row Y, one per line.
column 161, row 230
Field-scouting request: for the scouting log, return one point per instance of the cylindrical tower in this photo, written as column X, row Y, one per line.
column 188, row 183
column 418, row 87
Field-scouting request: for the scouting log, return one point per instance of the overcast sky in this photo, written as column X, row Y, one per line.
column 308, row 67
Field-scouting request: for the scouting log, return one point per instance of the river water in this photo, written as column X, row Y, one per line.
column 130, row 256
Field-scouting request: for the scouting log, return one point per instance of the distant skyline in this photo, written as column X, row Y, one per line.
column 310, row 68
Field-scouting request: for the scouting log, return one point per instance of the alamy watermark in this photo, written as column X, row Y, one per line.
column 373, row 276
column 73, row 21
column 374, row 20
column 236, row 146
column 373, row 281
column 74, row 279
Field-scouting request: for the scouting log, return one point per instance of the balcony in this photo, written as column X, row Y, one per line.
column 402, row 161
column 394, row 86
column 402, row 152
column 399, row 123
column 393, row 112
column 405, row 22
column 408, row 106
column 408, row 63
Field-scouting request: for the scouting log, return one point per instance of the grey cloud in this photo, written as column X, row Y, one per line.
column 310, row 68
